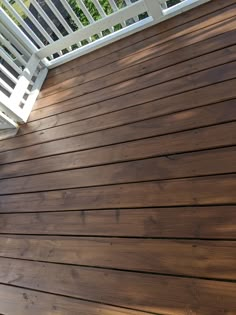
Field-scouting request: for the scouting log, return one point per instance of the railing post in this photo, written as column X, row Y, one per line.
column 23, row 82
column 5, row 107
column 19, row 35
column 154, row 9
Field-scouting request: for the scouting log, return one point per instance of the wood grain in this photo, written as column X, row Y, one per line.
column 135, row 86
column 183, row 100
column 208, row 259
column 212, row 190
column 117, row 72
column 163, row 75
column 128, row 289
column 32, row 302
column 155, row 34
column 179, row 121
column 182, row 165
column 204, row 138
column 215, row 222
column 118, row 197
column 178, row 166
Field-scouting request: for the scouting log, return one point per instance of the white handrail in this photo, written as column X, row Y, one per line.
column 34, row 20
column 11, row 48
column 85, row 11
column 8, row 60
column 6, row 86
column 113, row 19
column 46, row 18
column 8, row 74
column 27, row 55
column 72, row 13
column 22, row 22
column 13, row 40
column 60, row 17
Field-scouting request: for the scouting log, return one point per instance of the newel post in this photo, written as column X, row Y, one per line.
column 154, row 9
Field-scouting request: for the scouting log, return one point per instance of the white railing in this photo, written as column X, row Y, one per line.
column 39, row 34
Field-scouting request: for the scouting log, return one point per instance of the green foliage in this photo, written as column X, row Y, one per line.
column 94, row 13
column 92, row 9
column 17, row 8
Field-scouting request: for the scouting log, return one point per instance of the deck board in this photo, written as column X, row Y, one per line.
column 139, row 291
column 118, row 196
column 179, row 257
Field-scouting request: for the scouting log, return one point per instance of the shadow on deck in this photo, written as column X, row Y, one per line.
column 118, row 197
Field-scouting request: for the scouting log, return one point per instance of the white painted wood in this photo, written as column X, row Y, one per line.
column 34, row 20
column 115, row 8
column 6, row 86
column 5, row 124
column 163, row 4
column 73, row 16
column 113, row 5
column 18, row 34
column 101, row 12
column 72, row 13
column 23, row 24
column 87, row 14
column 136, row 27
column 23, row 81
column 128, row 2
column 8, row 74
column 9, row 61
column 59, row 16
column 154, row 9
column 34, row 94
column 34, row 60
column 85, row 11
column 8, row 133
column 46, row 18
column 13, row 40
column 14, row 113
column 99, row 8
column 48, row 21
column 14, row 52
column 182, row 7
column 113, row 19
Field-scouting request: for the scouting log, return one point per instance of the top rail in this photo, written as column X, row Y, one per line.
column 39, row 34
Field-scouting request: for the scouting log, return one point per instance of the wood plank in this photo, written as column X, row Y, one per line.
column 198, row 97
column 209, row 259
column 215, row 222
column 33, row 302
column 142, row 216
column 194, row 118
column 134, row 66
column 164, row 75
column 136, row 119
column 204, row 138
column 142, row 40
column 167, row 89
column 179, row 166
column 127, row 289
column 212, row 190
column 160, row 78
column 106, row 118
column 208, row 162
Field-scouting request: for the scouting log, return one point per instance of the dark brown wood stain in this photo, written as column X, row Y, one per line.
column 118, row 196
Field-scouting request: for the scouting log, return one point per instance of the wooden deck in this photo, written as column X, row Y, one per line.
column 118, row 197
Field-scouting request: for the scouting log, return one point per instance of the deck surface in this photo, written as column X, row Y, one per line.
column 118, row 197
